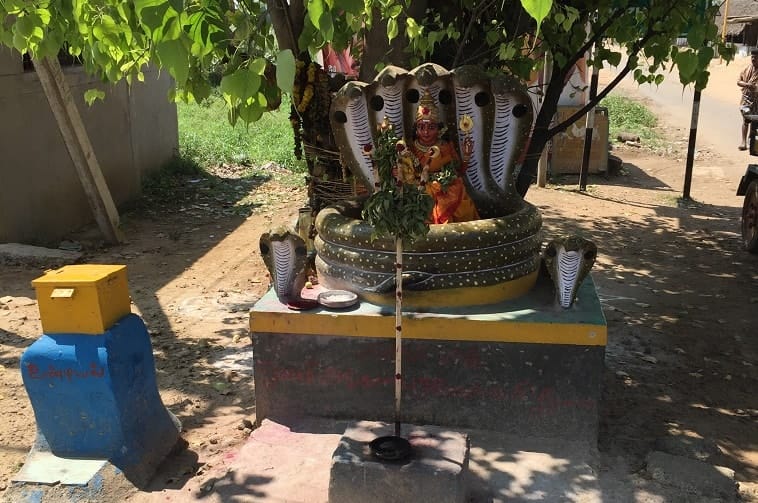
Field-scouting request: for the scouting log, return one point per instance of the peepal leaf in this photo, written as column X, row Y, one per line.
column 240, row 86
column 315, row 10
column 285, row 70
column 175, row 57
column 538, row 9
column 687, row 62
column 91, row 95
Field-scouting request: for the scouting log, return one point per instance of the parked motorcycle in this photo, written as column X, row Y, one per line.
column 749, row 188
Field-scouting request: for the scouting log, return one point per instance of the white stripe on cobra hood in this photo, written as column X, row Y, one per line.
column 569, row 264
column 283, row 252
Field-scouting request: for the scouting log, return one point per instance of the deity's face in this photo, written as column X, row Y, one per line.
column 427, row 132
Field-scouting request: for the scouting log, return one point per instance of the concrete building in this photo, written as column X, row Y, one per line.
column 133, row 131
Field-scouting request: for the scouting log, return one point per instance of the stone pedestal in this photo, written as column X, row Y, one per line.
column 525, row 367
column 95, row 396
column 434, row 472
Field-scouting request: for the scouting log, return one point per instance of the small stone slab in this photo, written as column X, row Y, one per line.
column 16, row 253
column 692, row 475
column 435, row 471
column 44, row 467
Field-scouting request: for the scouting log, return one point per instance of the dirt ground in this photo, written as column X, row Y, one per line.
column 679, row 294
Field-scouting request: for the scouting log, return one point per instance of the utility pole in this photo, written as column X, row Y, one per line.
column 547, row 72
column 723, row 22
column 589, row 128
column 691, row 145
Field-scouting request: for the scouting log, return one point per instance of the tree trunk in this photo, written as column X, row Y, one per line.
column 377, row 49
column 287, row 20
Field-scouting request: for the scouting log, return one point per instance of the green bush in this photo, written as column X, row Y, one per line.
column 628, row 116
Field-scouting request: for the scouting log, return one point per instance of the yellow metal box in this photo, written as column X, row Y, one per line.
column 82, row 299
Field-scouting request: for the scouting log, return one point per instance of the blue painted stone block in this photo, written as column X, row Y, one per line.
column 95, row 396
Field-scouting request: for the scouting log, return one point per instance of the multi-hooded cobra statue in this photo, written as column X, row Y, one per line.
column 487, row 260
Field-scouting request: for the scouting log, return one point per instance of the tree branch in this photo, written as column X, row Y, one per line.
column 590, row 105
column 637, row 47
column 474, row 17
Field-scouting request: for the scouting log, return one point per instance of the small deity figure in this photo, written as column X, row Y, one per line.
column 437, row 166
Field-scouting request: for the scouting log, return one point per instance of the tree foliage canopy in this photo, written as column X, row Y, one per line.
column 253, row 44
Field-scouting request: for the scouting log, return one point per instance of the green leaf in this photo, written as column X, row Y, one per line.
column 702, row 80
column 92, row 95
column 44, row 16
column 240, row 85
column 326, row 26
column 206, row 30
column 395, row 11
column 315, row 11
column 687, row 61
column 614, row 58
column 696, row 36
column 285, row 70
column 172, row 30
column 352, row 6
column 391, row 29
column 24, row 26
column 19, row 42
column 251, row 113
column 258, row 66
column 538, row 9
column 705, row 55
column 492, row 37
column 412, row 28
column 175, row 58
column 152, row 13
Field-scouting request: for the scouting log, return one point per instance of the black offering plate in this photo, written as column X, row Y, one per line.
column 390, row 448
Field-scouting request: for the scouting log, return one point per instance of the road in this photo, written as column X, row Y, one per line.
column 719, row 120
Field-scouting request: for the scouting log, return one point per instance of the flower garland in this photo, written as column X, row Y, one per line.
column 297, row 132
column 310, row 105
column 301, row 101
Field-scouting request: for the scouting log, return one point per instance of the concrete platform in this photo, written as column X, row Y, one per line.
column 524, row 367
column 434, row 472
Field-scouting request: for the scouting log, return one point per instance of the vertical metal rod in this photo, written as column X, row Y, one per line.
column 691, row 145
column 398, row 330
column 588, row 130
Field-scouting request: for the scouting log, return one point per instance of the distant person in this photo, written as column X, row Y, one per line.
column 748, row 81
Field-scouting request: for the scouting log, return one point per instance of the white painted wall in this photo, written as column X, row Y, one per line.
column 133, row 131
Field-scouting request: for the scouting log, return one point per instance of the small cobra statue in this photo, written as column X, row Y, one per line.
column 285, row 256
column 569, row 260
